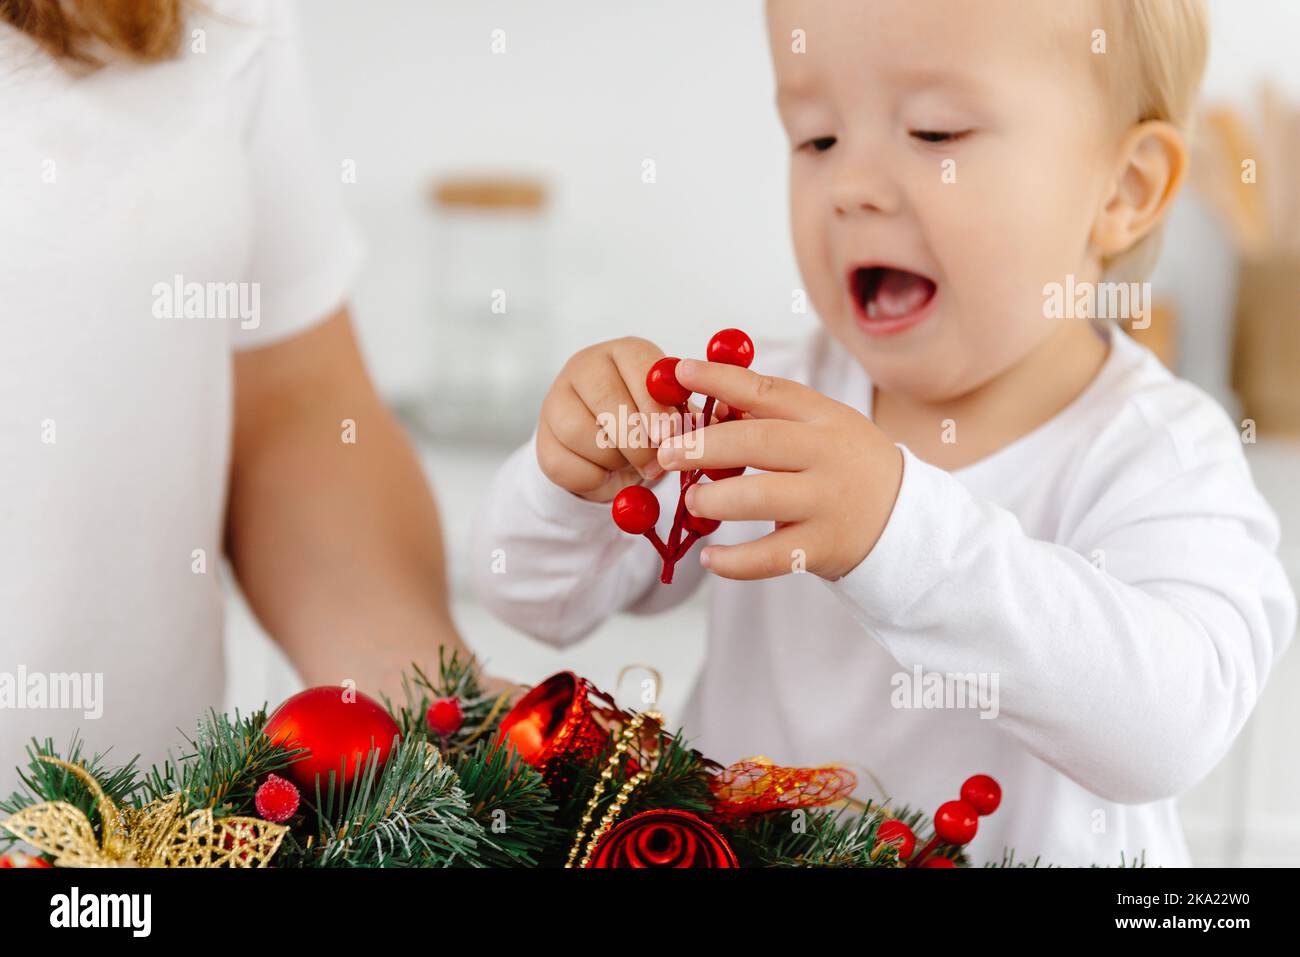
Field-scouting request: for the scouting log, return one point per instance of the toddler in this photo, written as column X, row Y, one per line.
column 974, row 536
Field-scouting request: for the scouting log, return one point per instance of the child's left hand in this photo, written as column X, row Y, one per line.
column 832, row 475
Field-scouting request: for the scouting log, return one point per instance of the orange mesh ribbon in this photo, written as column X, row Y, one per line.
column 756, row 784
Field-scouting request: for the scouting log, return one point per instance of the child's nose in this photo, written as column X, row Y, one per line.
column 861, row 185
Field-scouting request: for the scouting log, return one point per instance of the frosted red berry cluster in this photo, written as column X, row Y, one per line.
column 635, row 508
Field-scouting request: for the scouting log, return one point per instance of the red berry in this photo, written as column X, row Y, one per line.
column 937, row 861
column 445, row 716
column 982, row 793
column 276, row 799
column 661, row 382
column 700, row 526
column 718, row 475
column 635, row 510
column 956, row 822
column 899, row 834
column 732, row 347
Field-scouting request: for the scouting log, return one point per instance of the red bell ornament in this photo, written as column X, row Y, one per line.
column 565, row 718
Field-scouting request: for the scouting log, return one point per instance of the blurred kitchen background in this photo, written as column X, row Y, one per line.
column 618, row 169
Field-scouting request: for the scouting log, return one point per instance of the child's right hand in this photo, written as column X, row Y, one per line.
column 573, row 449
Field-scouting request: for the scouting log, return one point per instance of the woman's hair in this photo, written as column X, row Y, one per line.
column 89, row 30
column 1156, row 57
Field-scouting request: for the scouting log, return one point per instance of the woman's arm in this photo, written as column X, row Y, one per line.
column 336, row 543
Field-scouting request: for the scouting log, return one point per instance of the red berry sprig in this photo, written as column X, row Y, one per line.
column 956, row 822
column 635, row 508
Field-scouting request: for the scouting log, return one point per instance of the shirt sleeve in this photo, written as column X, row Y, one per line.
column 1129, row 658
column 555, row 566
column 304, row 253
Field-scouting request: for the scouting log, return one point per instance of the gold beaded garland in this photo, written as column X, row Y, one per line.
column 630, row 730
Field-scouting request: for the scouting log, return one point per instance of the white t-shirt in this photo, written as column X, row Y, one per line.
column 115, row 398
column 1114, row 571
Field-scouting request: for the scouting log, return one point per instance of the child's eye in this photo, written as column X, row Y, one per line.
column 940, row 136
column 819, row 145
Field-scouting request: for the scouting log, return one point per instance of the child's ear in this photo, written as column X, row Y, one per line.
column 1152, row 163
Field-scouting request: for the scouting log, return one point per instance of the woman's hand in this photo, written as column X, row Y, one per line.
column 831, row 476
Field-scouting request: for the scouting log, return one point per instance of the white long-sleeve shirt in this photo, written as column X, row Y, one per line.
column 1107, row 581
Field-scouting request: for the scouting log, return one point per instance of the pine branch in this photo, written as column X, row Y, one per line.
column 411, row 814
column 816, row 837
column 42, row 781
column 1009, row 860
column 226, row 761
column 455, row 678
column 680, row 780
column 508, row 799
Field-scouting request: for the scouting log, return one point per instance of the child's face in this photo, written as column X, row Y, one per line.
column 964, row 144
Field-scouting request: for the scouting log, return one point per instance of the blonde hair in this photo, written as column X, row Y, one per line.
column 85, row 30
column 1160, row 48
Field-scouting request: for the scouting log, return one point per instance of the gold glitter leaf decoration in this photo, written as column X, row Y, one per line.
column 156, row 835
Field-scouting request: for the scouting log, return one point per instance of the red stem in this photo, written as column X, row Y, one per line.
column 653, row 537
column 685, row 546
column 925, row 852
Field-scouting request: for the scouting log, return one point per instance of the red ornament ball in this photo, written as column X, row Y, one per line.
column 339, row 726
column 445, row 716
column 938, row 862
column 899, row 834
column 732, row 347
column 635, row 509
column 956, row 822
column 661, row 382
column 276, row 799
column 982, row 793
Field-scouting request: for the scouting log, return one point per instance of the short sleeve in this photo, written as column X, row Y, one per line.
column 304, row 253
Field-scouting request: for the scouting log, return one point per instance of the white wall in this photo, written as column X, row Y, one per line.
column 585, row 93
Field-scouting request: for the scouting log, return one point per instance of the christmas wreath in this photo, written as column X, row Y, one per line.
column 454, row 776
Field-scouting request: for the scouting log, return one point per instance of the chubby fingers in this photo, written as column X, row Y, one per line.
column 762, row 396
column 771, row 556
column 773, row 497
column 774, row 445
column 603, row 396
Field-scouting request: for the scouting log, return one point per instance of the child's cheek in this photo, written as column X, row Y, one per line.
column 813, row 252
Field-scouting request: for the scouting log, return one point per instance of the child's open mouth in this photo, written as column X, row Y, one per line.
column 889, row 300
